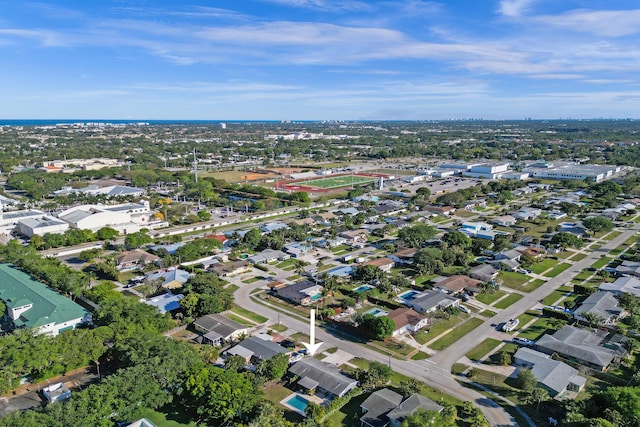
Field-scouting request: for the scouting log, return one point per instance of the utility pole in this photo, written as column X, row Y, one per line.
column 195, row 165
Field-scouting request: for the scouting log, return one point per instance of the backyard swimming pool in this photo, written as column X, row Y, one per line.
column 363, row 288
column 409, row 295
column 298, row 402
column 377, row 312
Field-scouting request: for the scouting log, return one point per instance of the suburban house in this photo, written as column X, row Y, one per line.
column 504, row 220
column 323, row 378
column 356, row 237
column 134, row 260
column 483, row 272
column 218, row 329
column 31, row 304
column 510, row 254
column 376, row 407
column 631, row 268
column 256, row 349
column 596, row 350
column 440, row 210
column 267, row 256
column 296, row 249
column 555, row 376
column 407, row 320
column 384, row 264
column 164, row 303
column 273, row 226
column 601, row 303
column 430, row 300
column 303, row 293
column 505, row 264
column 173, row 278
column 626, row 284
column 404, row 255
column 527, row 213
column 457, row 283
column 325, row 218
column 575, row 228
column 231, row 268
column 385, row 407
column 532, row 251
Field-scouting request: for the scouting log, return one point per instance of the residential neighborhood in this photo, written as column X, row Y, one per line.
column 421, row 300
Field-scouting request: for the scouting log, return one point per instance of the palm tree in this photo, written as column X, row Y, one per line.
column 631, row 345
column 298, row 266
column 593, row 319
column 537, row 396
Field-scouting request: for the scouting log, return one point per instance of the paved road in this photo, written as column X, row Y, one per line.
column 426, row 370
column 447, row 357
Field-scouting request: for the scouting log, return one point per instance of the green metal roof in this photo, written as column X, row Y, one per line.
column 18, row 289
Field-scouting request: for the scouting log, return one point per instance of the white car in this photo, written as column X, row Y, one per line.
column 523, row 341
column 464, row 308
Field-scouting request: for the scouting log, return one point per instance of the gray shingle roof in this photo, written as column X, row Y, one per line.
column 553, row 374
column 377, row 405
column 412, row 404
column 579, row 344
column 261, row 349
column 220, row 324
column 328, row 377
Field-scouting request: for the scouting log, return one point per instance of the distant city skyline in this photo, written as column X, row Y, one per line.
column 320, row 60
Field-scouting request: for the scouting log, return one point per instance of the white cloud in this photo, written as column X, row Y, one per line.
column 514, row 8
column 607, row 23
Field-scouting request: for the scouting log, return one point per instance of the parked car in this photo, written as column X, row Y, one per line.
column 524, row 341
column 464, row 308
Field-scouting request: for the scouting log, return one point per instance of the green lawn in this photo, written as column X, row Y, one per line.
column 557, row 270
column 537, row 329
column 532, row 286
column 337, row 181
column 525, row 318
column 438, row 327
column 553, row 297
column 489, row 298
column 511, row 279
column 457, row 333
column 487, row 313
column 578, row 257
column 161, row 419
column 252, row 279
column 483, row 348
column 507, row 301
column 601, row 262
column 239, row 319
column 249, row 314
column 420, row 356
column 544, row 265
column 612, row 235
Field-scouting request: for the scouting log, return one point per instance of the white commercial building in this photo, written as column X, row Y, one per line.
column 9, row 220
column 42, row 225
column 126, row 218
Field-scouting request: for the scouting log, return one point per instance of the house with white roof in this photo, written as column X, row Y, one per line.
column 553, row 375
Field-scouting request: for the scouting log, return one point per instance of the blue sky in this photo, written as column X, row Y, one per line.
column 320, row 59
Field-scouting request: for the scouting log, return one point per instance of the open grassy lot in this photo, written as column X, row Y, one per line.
column 544, row 265
column 487, row 313
column 557, row 270
column 489, row 298
column 456, row 333
column 483, row 348
column 249, row 314
column 337, row 181
column 511, row 279
column 507, row 301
